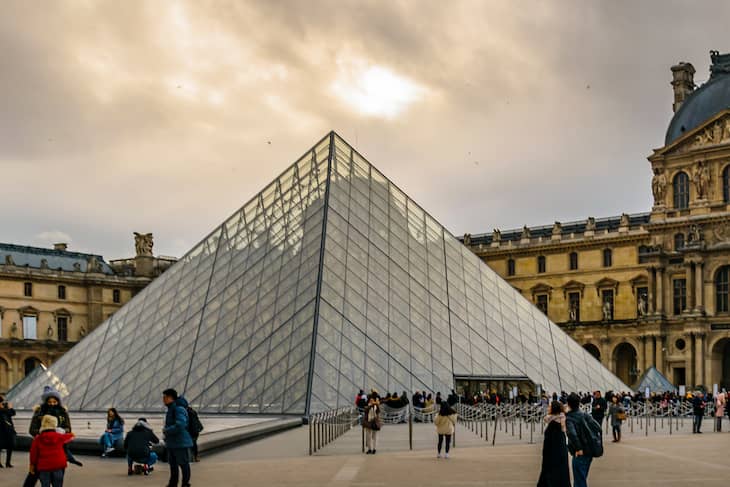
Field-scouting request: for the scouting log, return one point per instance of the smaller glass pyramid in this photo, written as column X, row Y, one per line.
column 328, row 281
column 655, row 381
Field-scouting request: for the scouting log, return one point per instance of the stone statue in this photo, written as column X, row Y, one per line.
column 44, row 263
column 525, row 233
column 641, row 308
column 467, row 239
column 701, row 179
column 606, row 311
column 143, row 243
column 49, row 331
column 658, row 186
column 591, row 224
column 9, row 260
column 496, row 236
column 695, row 234
column 77, row 267
column 625, row 221
column 557, row 229
column 14, row 330
column 573, row 313
column 82, row 332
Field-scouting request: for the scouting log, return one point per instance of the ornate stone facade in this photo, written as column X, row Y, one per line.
column 646, row 289
column 52, row 298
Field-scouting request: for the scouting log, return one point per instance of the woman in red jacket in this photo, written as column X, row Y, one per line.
column 47, row 456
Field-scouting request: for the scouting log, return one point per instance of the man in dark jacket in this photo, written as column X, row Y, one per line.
column 698, row 407
column 177, row 438
column 598, row 410
column 137, row 444
column 577, row 445
column 7, row 431
column 452, row 399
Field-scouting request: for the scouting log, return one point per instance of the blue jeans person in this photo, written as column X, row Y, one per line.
column 149, row 461
column 54, row 478
column 179, row 457
column 580, row 470
column 697, row 424
column 106, row 441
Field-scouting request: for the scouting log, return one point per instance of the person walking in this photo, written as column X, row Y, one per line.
column 372, row 422
column 720, row 402
column 445, row 422
column 579, row 440
column 113, row 433
column 698, row 408
column 554, row 471
column 177, row 437
column 47, row 455
column 598, row 408
column 617, row 415
column 137, row 445
column 7, row 431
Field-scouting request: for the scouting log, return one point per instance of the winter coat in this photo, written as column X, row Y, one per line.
column 59, row 412
column 554, row 471
column 372, row 413
column 7, row 429
column 613, row 411
column 46, row 451
column 445, row 425
column 698, row 406
column 137, row 443
column 598, row 410
column 720, row 401
column 176, row 425
column 576, row 440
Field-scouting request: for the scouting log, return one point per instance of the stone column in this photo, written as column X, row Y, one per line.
column 690, row 289
column 699, row 359
column 659, row 353
column 659, row 291
column 699, row 298
column 644, row 357
column 651, row 293
column 654, row 358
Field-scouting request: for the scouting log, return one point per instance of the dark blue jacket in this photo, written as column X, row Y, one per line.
column 176, row 425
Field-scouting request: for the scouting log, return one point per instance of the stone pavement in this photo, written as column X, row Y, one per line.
column 281, row 460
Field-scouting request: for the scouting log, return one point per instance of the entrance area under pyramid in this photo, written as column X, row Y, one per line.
column 329, row 280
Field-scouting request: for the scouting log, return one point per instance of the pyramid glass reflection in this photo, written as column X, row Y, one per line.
column 329, row 280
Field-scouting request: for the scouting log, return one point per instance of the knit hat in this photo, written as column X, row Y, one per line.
column 49, row 423
column 49, row 392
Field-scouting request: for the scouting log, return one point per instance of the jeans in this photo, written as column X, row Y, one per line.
column 149, row 461
column 697, row 424
column 179, row 457
column 54, row 478
column 106, row 441
column 580, row 470
column 441, row 441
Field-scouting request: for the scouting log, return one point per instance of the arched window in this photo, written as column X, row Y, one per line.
column 607, row 258
column 573, row 261
column 511, row 267
column 722, row 290
column 30, row 364
column 726, row 184
column 681, row 191
column 679, row 241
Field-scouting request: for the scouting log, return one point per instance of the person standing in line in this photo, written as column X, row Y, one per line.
column 577, row 441
column 598, row 408
column 7, row 431
column 445, row 422
column 554, row 471
column 113, row 433
column 372, row 422
column 617, row 414
column 177, row 437
column 47, row 456
column 698, row 408
column 720, row 402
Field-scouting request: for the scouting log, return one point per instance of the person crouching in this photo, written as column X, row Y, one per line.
column 137, row 444
column 47, row 456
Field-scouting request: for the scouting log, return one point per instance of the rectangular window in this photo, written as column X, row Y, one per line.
column 680, row 296
column 511, row 267
column 607, row 258
column 607, row 302
column 61, row 292
column 28, row 289
column 574, row 307
column 30, row 327
column 116, row 296
column 573, row 261
column 62, row 322
column 541, row 264
column 542, row 303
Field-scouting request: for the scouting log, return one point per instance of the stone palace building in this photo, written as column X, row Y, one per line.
column 649, row 289
column 51, row 298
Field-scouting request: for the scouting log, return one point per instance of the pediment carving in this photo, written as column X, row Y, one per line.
column 713, row 133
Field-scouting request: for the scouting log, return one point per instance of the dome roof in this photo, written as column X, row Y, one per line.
column 705, row 102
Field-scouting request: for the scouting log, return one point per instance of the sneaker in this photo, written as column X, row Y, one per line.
column 438, row 455
column 109, row 450
column 369, row 452
column 130, row 471
column 373, row 452
column 146, row 470
column 446, row 456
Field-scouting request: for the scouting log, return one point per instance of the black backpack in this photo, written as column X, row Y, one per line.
column 592, row 436
column 194, row 424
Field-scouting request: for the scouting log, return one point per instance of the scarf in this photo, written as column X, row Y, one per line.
column 558, row 418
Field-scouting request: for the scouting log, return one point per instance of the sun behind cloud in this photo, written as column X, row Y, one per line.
column 374, row 90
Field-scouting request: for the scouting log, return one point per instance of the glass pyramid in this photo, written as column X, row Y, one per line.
column 655, row 381
column 329, row 280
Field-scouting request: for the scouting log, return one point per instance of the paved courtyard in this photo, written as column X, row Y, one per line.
column 281, row 460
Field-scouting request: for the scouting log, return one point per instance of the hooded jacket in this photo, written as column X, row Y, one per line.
column 137, row 443
column 176, row 425
column 59, row 412
column 46, row 451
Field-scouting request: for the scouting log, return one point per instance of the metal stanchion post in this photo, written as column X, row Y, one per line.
column 410, row 428
column 310, row 436
column 494, row 433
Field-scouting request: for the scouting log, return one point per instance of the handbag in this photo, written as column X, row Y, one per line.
column 621, row 416
column 31, row 480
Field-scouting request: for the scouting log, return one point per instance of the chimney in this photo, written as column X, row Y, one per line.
column 60, row 246
column 683, row 83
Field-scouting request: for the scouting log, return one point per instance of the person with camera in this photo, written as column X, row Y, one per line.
column 7, row 431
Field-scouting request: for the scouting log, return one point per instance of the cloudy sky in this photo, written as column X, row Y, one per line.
column 166, row 116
